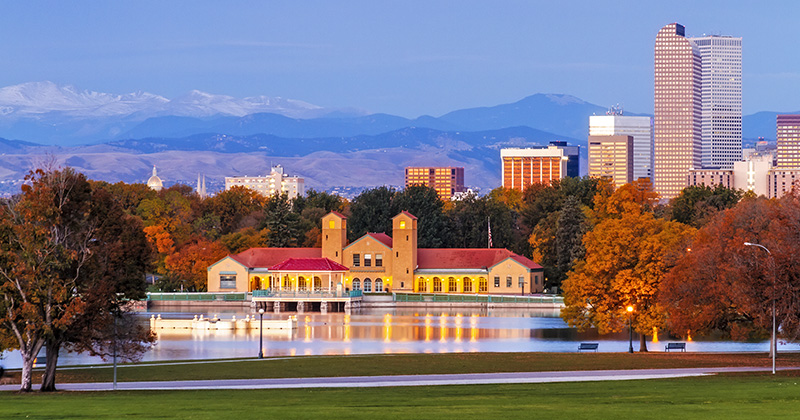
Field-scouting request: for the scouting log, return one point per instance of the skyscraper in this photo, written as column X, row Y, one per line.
column 445, row 180
column 640, row 128
column 722, row 100
column 677, row 142
column 611, row 157
column 539, row 165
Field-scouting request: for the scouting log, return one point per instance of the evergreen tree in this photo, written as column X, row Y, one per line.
column 371, row 211
column 569, row 237
column 281, row 222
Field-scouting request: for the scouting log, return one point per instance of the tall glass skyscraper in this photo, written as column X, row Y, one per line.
column 722, row 100
column 677, row 144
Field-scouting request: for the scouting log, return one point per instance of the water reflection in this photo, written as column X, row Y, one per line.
column 393, row 331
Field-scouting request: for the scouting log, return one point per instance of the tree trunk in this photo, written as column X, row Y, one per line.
column 49, row 377
column 642, row 344
column 27, row 371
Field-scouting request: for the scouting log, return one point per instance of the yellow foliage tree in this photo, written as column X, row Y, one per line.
column 626, row 260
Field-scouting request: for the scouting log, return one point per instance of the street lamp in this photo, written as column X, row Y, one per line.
column 261, row 333
column 630, row 328
column 773, row 344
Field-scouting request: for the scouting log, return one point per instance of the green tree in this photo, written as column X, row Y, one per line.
column 469, row 220
column 696, row 205
column 371, row 211
column 570, row 228
column 424, row 203
column 281, row 222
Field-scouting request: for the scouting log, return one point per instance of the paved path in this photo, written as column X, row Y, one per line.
column 406, row 380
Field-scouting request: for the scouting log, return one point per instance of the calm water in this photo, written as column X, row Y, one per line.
column 394, row 331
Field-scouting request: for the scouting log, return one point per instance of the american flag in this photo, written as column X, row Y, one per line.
column 489, row 223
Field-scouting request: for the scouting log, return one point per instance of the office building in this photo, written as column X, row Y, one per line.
column 275, row 183
column 677, row 142
column 722, row 100
column 539, row 165
column 611, row 157
column 447, row 181
column 640, row 128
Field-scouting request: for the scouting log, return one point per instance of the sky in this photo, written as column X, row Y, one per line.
column 407, row 58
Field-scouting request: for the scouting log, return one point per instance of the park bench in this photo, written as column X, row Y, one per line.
column 675, row 346
column 588, row 346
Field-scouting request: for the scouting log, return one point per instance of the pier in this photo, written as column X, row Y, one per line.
column 302, row 301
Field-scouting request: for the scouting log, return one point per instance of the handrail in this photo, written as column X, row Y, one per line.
column 468, row 297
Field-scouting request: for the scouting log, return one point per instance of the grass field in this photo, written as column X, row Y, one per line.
column 724, row 397
column 404, row 364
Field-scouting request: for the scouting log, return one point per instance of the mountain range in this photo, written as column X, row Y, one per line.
column 120, row 137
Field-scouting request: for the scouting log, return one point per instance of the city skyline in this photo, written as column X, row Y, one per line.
column 410, row 59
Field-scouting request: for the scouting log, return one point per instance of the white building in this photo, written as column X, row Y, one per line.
column 754, row 175
column 722, row 100
column 275, row 183
column 640, row 128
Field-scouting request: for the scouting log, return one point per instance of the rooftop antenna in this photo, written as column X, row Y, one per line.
column 615, row 110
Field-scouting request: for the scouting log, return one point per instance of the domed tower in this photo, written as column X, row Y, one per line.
column 155, row 182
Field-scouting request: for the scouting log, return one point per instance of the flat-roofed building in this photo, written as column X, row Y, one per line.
column 275, row 183
column 677, row 143
column 711, row 177
column 539, row 165
column 749, row 175
column 782, row 180
column 788, row 135
column 446, row 180
column 611, row 157
column 640, row 128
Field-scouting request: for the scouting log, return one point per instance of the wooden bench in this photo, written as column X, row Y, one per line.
column 675, row 346
column 588, row 346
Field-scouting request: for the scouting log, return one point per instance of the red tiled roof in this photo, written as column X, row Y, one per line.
column 382, row 238
column 267, row 257
column 407, row 214
column 338, row 214
column 308, row 264
column 467, row 258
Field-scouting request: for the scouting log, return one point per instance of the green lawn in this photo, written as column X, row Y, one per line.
column 367, row 365
column 725, row 397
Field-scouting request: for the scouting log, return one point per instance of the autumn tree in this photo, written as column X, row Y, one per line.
column 190, row 263
column 723, row 285
column 626, row 259
column 232, row 209
column 66, row 253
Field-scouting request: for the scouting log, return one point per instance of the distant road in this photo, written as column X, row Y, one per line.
column 406, row 380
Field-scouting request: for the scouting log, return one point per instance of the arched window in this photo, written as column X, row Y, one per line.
column 452, row 285
column 301, row 283
column 367, row 285
column 356, row 284
column 467, row 285
column 317, row 283
column 437, row 285
column 421, row 284
column 483, row 285
column 378, row 285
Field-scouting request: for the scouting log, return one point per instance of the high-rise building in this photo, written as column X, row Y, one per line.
column 788, row 135
column 677, row 142
column 275, row 183
column 640, row 128
column 611, row 157
column 539, row 165
column 722, row 100
column 447, row 181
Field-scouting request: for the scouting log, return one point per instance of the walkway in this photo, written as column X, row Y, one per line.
column 406, row 380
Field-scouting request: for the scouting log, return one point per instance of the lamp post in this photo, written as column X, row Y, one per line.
column 630, row 328
column 773, row 344
column 261, row 333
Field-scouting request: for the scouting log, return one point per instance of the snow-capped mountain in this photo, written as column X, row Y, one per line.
column 37, row 100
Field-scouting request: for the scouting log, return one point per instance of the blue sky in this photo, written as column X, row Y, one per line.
column 401, row 57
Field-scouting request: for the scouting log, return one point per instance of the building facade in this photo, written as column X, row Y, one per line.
column 711, row 177
column 640, row 128
column 722, row 100
column 748, row 175
column 539, row 165
column 275, row 183
column 677, row 123
column 447, row 181
column 788, row 135
column 377, row 262
column 611, row 157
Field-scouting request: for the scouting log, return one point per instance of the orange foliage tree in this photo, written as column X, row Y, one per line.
column 726, row 286
column 191, row 262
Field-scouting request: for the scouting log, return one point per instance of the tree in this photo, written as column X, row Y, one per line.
column 191, row 262
column 722, row 285
column 424, row 203
column 67, row 253
column 626, row 259
column 282, row 223
column 469, row 220
column 570, row 229
column 371, row 211
column 696, row 205
column 231, row 207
